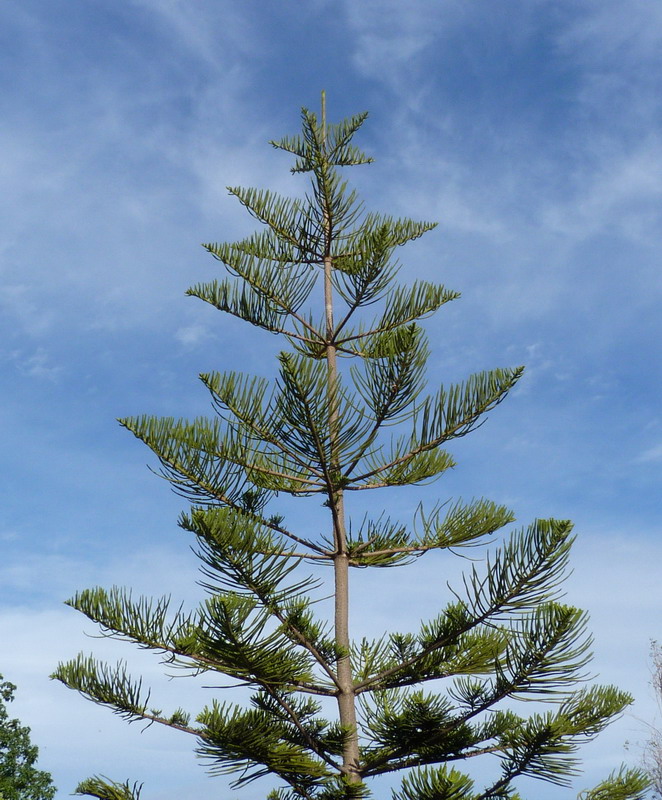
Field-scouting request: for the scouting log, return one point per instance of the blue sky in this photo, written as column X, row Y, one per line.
column 531, row 129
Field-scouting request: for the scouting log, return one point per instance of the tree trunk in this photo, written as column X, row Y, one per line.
column 346, row 695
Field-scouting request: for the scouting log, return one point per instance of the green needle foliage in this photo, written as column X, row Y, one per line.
column 348, row 412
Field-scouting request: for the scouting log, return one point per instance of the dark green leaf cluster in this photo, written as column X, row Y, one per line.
column 19, row 777
column 279, row 735
column 442, row 783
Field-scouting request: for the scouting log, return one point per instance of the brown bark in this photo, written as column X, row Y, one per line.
column 345, row 694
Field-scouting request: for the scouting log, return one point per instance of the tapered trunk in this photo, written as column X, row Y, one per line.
column 346, row 695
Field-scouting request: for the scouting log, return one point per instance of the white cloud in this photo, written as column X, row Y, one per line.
column 38, row 365
column 192, row 335
column 209, row 31
column 389, row 36
column 93, row 189
column 650, row 455
column 604, row 29
column 620, row 190
column 151, row 570
column 23, row 304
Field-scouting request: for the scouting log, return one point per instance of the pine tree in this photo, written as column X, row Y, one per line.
column 321, row 274
column 19, row 777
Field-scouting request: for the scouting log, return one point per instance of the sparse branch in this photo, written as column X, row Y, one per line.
column 404, row 307
column 294, row 717
column 249, row 305
column 253, row 421
column 393, row 551
column 115, row 689
column 322, row 553
column 118, row 618
column 295, row 555
column 260, row 283
column 519, row 576
column 299, row 637
column 393, row 392
column 310, row 422
column 421, row 761
column 306, row 484
column 280, row 214
column 455, row 415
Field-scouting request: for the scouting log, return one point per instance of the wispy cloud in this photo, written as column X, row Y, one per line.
column 39, row 365
column 535, row 145
column 601, row 31
column 23, row 304
column 192, row 335
column 212, row 32
column 619, row 192
column 389, row 35
column 650, row 455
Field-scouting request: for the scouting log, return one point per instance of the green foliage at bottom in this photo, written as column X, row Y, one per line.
column 19, row 777
column 105, row 789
